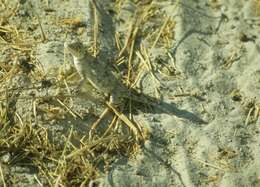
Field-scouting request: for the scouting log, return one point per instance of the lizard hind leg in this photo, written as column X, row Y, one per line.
column 79, row 87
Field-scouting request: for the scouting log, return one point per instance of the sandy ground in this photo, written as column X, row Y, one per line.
column 212, row 136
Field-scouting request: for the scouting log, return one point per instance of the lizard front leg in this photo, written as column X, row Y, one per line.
column 81, row 74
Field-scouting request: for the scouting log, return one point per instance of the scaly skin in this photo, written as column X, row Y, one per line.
column 100, row 75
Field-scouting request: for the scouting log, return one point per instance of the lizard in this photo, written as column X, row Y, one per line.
column 102, row 76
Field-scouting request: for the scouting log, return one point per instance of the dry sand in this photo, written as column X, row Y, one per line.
column 213, row 136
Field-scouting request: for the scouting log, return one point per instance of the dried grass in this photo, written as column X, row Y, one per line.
column 69, row 160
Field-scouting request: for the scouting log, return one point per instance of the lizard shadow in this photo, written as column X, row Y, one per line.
column 155, row 106
column 136, row 102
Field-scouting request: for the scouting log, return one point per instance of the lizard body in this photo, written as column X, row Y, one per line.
column 101, row 75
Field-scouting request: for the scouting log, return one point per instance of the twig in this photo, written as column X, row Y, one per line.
column 12, row 11
column 74, row 114
column 37, row 97
column 159, row 34
column 137, row 78
column 186, row 94
column 19, row 118
column 130, row 124
column 95, row 124
column 148, row 65
column 34, row 110
column 131, row 56
column 2, row 176
column 110, row 126
column 127, row 41
column 256, row 113
column 208, row 164
column 57, row 181
column 40, row 24
column 118, row 45
column 96, row 26
column 92, row 144
column 37, row 180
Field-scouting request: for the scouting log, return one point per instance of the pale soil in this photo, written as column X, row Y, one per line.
column 216, row 53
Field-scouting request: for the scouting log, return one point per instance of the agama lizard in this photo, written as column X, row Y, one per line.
column 102, row 76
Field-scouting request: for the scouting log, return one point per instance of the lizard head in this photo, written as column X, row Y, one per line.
column 76, row 48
